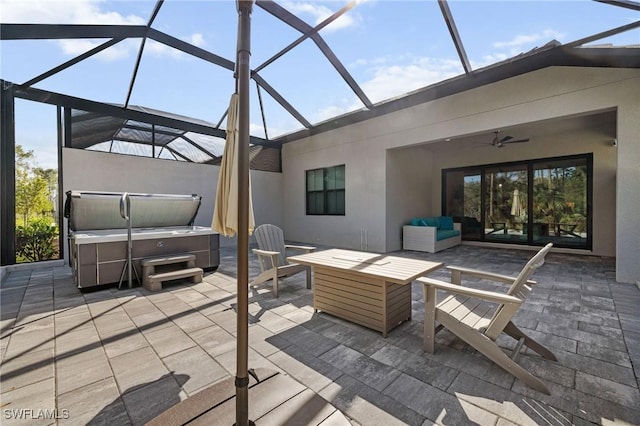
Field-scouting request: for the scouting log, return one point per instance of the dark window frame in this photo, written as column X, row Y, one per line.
column 325, row 192
column 529, row 165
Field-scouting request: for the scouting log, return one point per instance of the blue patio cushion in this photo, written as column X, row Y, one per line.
column 415, row 221
column 431, row 221
column 443, row 234
column 445, row 223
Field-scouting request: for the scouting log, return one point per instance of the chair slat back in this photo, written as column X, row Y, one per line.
column 271, row 238
column 519, row 289
column 519, row 286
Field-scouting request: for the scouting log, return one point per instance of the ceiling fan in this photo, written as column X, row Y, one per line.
column 499, row 142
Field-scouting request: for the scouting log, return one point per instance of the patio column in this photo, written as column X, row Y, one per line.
column 627, row 195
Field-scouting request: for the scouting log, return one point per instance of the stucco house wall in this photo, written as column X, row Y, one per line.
column 409, row 175
column 372, row 194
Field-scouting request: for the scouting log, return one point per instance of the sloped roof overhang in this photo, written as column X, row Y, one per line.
column 557, row 55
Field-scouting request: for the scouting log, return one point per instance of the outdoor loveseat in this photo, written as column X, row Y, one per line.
column 431, row 234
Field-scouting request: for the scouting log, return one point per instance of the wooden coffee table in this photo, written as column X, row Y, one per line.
column 370, row 289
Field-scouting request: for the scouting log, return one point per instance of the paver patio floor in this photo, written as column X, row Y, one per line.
column 123, row 356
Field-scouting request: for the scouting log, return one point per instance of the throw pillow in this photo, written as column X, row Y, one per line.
column 431, row 221
column 446, row 223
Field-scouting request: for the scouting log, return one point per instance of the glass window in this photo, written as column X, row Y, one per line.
column 560, row 210
column 505, row 213
column 326, row 191
column 462, row 201
column 528, row 202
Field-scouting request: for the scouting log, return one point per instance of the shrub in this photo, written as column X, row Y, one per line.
column 35, row 241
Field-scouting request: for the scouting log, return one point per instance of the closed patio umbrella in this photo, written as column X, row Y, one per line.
column 516, row 206
column 225, row 211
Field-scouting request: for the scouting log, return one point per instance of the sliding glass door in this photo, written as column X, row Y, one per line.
column 505, row 207
column 560, row 202
column 529, row 202
column 463, row 195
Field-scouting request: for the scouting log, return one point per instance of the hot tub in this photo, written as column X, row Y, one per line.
column 162, row 224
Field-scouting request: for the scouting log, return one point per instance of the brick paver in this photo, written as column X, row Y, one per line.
column 123, row 356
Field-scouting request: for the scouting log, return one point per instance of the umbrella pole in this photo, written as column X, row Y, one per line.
column 243, row 80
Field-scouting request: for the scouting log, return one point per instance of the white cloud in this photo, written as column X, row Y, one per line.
column 62, row 12
column 162, row 50
column 287, row 126
column 389, row 81
column 381, row 60
column 392, row 77
column 401, row 74
column 319, row 13
column 490, row 59
column 77, row 47
column 88, row 12
column 519, row 44
column 257, row 129
column 197, row 39
column 518, row 40
column 154, row 48
column 521, row 41
column 330, row 112
column 72, row 12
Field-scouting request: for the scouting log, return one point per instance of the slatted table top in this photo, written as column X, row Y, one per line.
column 395, row 269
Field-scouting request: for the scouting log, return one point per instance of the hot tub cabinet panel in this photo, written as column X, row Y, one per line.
column 98, row 263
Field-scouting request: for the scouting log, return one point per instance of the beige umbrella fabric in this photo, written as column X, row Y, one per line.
column 516, row 206
column 225, row 212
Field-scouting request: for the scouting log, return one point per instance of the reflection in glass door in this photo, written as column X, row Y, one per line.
column 505, row 211
column 526, row 202
column 560, row 212
column 463, row 201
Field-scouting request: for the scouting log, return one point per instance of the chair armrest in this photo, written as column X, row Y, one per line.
column 467, row 291
column 265, row 252
column 485, row 274
column 308, row 249
column 271, row 255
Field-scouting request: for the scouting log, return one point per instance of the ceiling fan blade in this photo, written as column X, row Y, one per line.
column 500, row 142
column 516, row 141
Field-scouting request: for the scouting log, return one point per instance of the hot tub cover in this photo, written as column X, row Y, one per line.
column 90, row 210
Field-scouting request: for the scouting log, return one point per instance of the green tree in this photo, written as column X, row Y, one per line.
column 33, row 190
column 472, row 192
column 51, row 177
column 36, row 241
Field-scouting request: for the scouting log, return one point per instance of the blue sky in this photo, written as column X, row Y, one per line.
column 389, row 47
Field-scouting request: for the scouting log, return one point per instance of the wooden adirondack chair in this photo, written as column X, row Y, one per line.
column 271, row 254
column 466, row 313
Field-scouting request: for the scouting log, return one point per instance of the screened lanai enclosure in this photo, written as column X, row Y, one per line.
column 104, row 133
column 152, row 80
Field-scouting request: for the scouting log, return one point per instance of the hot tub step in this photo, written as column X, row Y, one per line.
column 153, row 282
column 157, row 269
column 166, row 260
